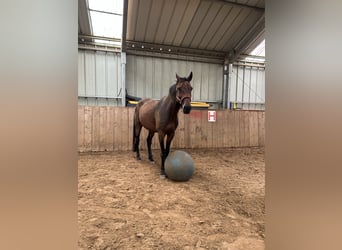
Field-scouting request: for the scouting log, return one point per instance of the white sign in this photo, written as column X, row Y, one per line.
column 211, row 116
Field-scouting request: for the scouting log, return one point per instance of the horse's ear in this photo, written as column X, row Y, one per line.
column 189, row 77
column 177, row 76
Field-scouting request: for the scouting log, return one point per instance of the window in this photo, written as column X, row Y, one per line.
column 106, row 20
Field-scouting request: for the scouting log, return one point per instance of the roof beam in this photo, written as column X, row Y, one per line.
column 124, row 26
column 245, row 6
column 191, row 58
column 83, row 18
column 169, row 49
column 90, row 37
column 105, row 12
column 247, row 39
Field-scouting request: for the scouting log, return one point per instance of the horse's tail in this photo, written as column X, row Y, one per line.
column 134, row 127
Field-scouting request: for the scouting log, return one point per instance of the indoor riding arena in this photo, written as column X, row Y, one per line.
column 123, row 203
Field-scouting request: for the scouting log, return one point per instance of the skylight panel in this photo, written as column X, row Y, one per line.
column 112, row 6
column 106, row 19
column 259, row 50
column 106, row 25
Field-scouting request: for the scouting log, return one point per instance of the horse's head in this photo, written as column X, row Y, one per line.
column 183, row 92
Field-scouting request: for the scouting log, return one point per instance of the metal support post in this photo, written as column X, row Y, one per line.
column 123, row 79
column 229, row 81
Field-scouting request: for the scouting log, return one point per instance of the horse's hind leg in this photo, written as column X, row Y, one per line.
column 136, row 140
column 163, row 154
column 149, row 143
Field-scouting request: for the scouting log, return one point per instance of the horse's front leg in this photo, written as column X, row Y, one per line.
column 168, row 143
column 149, row 143
column 162, row 154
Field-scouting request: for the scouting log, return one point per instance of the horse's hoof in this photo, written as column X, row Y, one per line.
column 139, row 158
column 152, row 162
column 162, row 176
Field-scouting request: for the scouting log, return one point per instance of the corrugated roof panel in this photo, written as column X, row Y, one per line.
column 217, row 37
column 201, row 12
column 206, row 22
column 187, row 18
column 211, row 25
column 132, row 20
column 257, row 3
column 142, row 19
column 215, row 26
column 153, row 20
column 178, row 14
column 83, row 18
column 166, row 15
column 242, row 29
column 230, row 32
column 246, row 2
column 260, row 4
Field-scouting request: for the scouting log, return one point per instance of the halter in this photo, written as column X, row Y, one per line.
column 180, row 100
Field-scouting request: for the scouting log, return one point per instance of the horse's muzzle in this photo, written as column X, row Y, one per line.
column 186, row 106
column 186, row 109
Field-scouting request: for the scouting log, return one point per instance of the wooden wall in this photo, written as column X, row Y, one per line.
column 109, row 128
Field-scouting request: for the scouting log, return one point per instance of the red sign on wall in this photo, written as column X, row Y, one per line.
column 211, row 116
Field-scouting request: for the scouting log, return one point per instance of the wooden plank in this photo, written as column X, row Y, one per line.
column 241, row 130
column 95, row 144
column 175, row 140
column 103, row 128
column 230, row 129
column 253, row 128
column 143, row 136
column 261, row 128
column 109, row 140
column 116, row 129
column 218, row 131
column 225, row 128
column 237, row 128
column 199, row 129
column 80, row 137
column 124, row 129
column 187, row 140
column 130, row 127
column 110, row 129
column 210, row 128
column 264, row 128
column 180, row 131
column 88, row 118
column 214, row 132
column 204, row 126
column 203, row 132
column 247, row 135
column 195, row 128
column 155, row 141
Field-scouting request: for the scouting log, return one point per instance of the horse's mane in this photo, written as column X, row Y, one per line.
column 172, row 89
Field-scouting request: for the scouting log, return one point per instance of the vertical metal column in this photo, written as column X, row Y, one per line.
column 123, row 53
column 123, row 79
column 229, row 81
column 224, row 86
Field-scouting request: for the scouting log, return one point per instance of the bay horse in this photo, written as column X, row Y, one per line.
column 162, row 117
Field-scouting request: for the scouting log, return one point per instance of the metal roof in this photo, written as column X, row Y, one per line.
column 213, row 28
